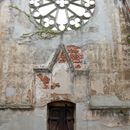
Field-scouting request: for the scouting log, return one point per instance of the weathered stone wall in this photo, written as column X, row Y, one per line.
column 91, row 69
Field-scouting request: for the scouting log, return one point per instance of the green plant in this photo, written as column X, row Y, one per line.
column 42, row 32
column 128, row 38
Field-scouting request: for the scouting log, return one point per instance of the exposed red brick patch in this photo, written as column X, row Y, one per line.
column 75, row 55
column 78, row 66
column 126, row 74
column 73, row 46
column 44, row 79
column 62, row 58
column 58, row 97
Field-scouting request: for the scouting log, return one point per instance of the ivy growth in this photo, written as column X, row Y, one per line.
column 128, row 38
column 42, row 32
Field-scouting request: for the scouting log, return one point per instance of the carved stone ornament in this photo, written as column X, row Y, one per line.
column 62, row 15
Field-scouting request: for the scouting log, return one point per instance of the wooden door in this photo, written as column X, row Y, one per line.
column 61, row 116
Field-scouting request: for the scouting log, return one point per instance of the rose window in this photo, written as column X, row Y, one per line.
column 61, row 15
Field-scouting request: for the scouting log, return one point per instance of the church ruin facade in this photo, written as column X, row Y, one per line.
column 71, row 74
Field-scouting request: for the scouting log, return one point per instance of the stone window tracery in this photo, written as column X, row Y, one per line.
column 61, row 15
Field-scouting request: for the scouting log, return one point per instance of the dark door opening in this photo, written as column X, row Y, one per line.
column 61, row 116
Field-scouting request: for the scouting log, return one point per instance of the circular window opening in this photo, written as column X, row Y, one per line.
column 61, row 15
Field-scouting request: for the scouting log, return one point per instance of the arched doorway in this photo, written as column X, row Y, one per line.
column 61, row 115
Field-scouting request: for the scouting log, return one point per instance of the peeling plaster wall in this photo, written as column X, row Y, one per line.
column 106, row 55
column 86, row 120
